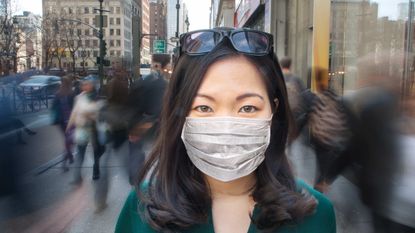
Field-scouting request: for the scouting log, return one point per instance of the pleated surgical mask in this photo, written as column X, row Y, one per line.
column 226, row 148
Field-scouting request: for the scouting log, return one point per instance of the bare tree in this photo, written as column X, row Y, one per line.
column 86, row 54
column 9, row 37
column 59, row 43
column 49, row 30
column 73, row 37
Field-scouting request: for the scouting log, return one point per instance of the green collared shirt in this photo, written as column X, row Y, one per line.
column 322, row 221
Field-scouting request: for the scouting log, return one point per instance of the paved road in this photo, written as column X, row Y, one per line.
column 59, row 206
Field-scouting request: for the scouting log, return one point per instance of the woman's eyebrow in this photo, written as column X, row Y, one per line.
column 206, row 96
column 247, row 95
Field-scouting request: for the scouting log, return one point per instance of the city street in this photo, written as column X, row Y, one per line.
column 59, row 206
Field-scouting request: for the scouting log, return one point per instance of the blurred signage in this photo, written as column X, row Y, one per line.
column 159, row 46
column 105, row 18
column 245, row 9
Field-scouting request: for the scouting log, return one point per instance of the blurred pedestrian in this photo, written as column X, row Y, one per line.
column 61, row 112
column 381, row 151
column 84, row 117
column 295, row 88
column 145, row 103
column 328, row 125
column 113, row 116
column 112, row 125
column 219, row 164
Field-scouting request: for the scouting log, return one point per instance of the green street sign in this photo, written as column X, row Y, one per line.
column 159, row 46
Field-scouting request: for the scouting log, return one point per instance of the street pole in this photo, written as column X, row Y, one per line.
column 101, row 46
column 177, row 23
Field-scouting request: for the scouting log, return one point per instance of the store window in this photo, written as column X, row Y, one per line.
column 376, row 30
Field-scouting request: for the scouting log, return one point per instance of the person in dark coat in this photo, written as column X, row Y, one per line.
column 61, row 110
column 145, row 104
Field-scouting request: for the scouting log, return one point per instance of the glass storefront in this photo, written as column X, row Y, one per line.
column 380, row 29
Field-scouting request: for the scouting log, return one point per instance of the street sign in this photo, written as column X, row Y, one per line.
column 159, row 46
column 97, row 22
column 106, row 62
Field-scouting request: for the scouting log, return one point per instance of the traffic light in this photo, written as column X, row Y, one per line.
column 104, row 48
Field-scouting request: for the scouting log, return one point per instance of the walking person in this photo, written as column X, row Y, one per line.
column 145, row 104
column 61, row 112
column 219, row 163
column 83, row 117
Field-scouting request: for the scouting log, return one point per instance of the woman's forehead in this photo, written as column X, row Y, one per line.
column 232, row 74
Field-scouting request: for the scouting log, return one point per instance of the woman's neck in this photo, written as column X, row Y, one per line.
column 239, row 187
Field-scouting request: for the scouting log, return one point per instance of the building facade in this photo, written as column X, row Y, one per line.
column 76, row 45
column 334, row 36
column 158, row 23
column 29, row 54
column 145, row 28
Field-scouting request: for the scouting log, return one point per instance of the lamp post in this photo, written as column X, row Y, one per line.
column 101, row 45
column 177, row 22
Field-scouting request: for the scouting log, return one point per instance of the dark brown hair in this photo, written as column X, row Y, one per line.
column 65, row 88
column 177, row 195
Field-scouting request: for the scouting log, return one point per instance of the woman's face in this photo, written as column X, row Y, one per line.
column 233, row 88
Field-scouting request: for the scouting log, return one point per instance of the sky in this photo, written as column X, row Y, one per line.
column 198, row 11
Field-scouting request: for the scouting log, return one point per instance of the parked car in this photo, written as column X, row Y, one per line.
column 40, row 86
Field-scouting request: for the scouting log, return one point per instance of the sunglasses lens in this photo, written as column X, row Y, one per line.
column 200, row 42
column 251, row 42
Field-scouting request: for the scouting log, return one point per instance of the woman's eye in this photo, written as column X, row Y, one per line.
column 203, row 108
column 248, row 109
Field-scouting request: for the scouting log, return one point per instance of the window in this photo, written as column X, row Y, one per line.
column 103, row 32
column 118, row 32
column 86, row 20
column 118, row 43
column 79, row 32
column 86, row 32
column 87, row 43
column 95, row 43
column 111, row 21
column 118, row 21
column 94, row 21
column 80, row 43
column 111, row 32
column 95, row 53
column 112, row 43
column 112, row 53
column 111, row 9
column 118, row 10
column 70, row 10
column 86, row 10
column 119, row 53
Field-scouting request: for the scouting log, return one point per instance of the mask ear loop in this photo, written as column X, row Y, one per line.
column 277, row 103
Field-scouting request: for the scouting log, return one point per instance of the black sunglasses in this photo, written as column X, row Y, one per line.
column 247, row 41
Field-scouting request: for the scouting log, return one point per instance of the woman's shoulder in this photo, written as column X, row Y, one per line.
column 130, row 219
column 323, row 220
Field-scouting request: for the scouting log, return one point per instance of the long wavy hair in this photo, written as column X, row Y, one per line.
column 177, row 196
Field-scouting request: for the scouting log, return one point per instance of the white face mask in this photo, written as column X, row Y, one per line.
column 226, row 148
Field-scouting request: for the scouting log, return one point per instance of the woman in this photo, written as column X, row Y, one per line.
column 83, row 117
column 61, row 110
column 218, row 164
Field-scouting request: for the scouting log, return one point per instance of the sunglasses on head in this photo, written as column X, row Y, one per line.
column 247, row 41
